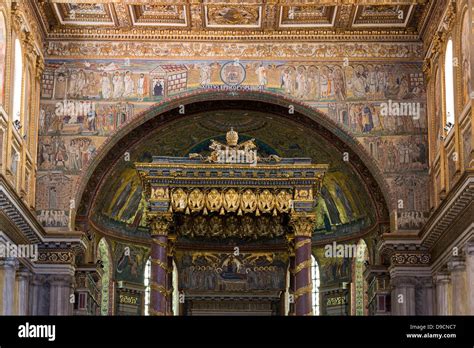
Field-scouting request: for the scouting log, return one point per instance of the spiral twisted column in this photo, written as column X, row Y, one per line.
column 303, row 225
column 159, row 289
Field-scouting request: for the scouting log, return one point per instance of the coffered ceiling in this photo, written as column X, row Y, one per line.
column 116, row 19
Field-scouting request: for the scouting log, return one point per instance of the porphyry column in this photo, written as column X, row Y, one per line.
column 159, row 292
column 303, row 229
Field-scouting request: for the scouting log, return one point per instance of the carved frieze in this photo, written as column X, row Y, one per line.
column 250, row 201
column 398, row 259
column 56, row 256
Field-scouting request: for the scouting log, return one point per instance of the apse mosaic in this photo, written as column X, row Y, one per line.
column 343, row 207
column 86, row 101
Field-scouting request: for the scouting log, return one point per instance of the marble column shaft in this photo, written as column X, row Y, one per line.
column 60, row 294
column 457, row 267
column 8, row 267
column 403, row 296
column 23, row 281
column 470, row 275
column 442, row 281
column 36, row 283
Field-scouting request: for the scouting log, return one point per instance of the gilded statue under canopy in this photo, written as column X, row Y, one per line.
column 233, row 152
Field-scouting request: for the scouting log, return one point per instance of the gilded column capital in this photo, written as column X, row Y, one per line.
column 303, row 224
column 160, row 224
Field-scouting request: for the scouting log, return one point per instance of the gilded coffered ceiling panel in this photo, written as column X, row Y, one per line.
column 383, row 15
column 159, row 15
column 84, row 14
column 307, row 16
column 224, row 16
column 231, row 19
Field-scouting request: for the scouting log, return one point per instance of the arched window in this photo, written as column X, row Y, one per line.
column 175, row 290
column 147, row 281
column 3, row 47
column 104, row 256
column 449, row 83
column 438, row 117
column 147, row 286
column 17, row 80
column 27, row 102
column 316, row 281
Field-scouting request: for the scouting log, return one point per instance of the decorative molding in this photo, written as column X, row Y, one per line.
column 16, row 211
column 261, row 50
column 459, row 199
